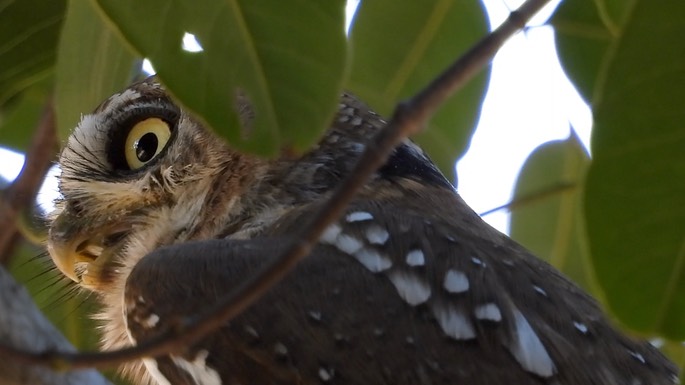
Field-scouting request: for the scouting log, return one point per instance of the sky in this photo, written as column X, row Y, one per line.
column 529, row 102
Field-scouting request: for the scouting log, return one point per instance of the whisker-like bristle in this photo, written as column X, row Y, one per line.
column 67, row 292
column 57, row 281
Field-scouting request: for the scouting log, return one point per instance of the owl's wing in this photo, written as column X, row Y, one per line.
column 394, row 294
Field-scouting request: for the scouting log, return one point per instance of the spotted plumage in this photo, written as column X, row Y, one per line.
column 409, row 286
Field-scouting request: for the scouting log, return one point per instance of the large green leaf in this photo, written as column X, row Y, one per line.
column 583, row 40
column 635, row 194
column 29, row 30
column 21, row 117
column 92, row 63
column 399, row 47
column 286, row 58
column 546, row 216
column 614, row 12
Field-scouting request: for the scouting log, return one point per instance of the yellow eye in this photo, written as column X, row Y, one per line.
column 145, row 141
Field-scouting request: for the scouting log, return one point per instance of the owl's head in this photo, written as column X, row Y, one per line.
column 140, row 172
column 137, row 173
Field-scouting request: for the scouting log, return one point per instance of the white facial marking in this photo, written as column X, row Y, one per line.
column 117, row 100
column 455, row 281
column 372, row 260
column 347, row 244
column 198, row 369
column 580, row 326
column 454, row 322
column 416, row 258
column 151, row 366
column 477, row 261
column 488, row 312
column 411, row 288
column 377, row 235
column 358, row 216
column 331, row 234
column 527, row 348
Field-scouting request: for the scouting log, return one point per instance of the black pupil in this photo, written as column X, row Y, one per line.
column 146, row 147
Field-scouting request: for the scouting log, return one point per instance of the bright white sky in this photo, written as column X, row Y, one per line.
column 529, row 101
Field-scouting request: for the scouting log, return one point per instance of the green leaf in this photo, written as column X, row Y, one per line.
column 583, row 40
column 399, row 47
column 285, row 58
column 614, row 12
column 634, row 199
column 28, row 41
column 92, row 64
column 21, row 117
column 545, row 216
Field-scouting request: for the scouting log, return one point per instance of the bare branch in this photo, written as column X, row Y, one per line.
column 21, row 193
column 22, row 324
column 408, row 119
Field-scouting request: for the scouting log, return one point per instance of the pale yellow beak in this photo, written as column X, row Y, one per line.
column 64, row 259
column 70, row 259
column 85, row 258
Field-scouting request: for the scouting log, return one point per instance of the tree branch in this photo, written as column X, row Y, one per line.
column 408, row 119
column 22, row 324
column 22, row 192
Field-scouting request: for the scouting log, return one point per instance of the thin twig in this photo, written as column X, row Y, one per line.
column 408, row 119
column 532, row 197
column 21, row 193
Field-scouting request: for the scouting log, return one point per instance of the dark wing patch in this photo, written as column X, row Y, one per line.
column 409, row 161
column 394, row 294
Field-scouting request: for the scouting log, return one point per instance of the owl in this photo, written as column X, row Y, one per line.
column 160, row 218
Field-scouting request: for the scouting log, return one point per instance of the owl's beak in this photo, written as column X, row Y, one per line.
column 65, row 258
column 86, row 258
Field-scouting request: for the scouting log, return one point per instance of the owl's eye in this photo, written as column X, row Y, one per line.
column 145, row 141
